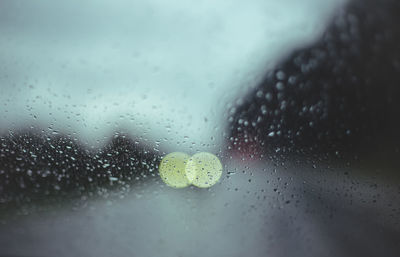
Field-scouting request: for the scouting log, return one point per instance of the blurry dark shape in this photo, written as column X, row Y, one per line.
column 339, row 95
column 37, row 170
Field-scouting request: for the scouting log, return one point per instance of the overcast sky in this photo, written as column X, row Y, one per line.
column 161, row 70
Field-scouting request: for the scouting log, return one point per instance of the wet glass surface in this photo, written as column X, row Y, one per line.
column 297, row 101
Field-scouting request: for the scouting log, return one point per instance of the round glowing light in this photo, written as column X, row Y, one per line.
column 172, row 170
column 204, row 170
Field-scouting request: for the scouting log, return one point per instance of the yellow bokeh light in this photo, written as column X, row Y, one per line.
column 172, row 170
column 204, row 169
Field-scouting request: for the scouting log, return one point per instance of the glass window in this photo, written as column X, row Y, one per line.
column 199, row 128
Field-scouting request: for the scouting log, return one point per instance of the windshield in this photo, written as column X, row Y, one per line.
column 200, row 128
